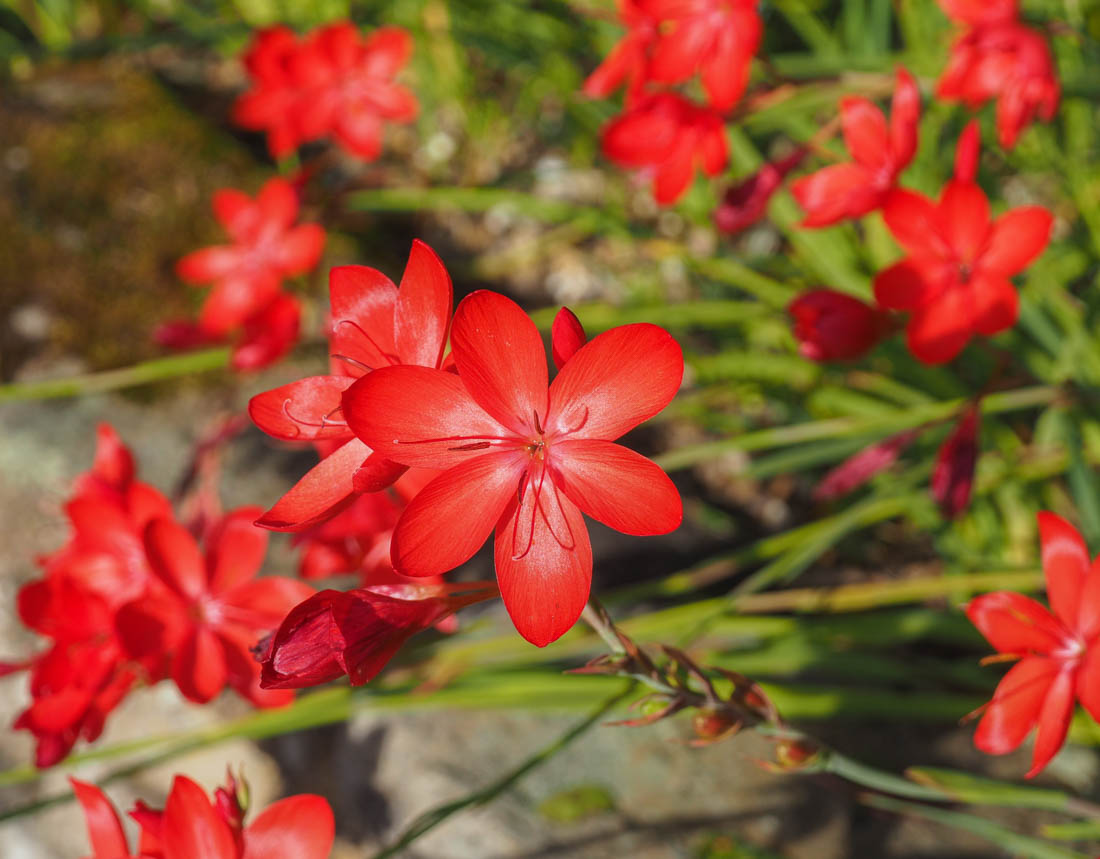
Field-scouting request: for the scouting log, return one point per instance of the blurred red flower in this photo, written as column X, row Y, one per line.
column 1058, row 657
column 879, row 152
column 271, row 105
column 628, row 60
column 520, row 458
column 668, row 136
column 746, row 202
column 834, row 326
column 953, row 473
column 373, row 324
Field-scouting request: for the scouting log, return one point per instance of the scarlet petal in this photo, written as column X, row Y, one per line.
column 675, row 172
column 996, row 304
column 104, row 827
column 363, row 301
column 236, row 551
column 301, row 826
column 236, row 298
column 175, row 558
column 1088, row 682
column 419, row 416
column 614, row 382
column 1016, row 239
column 300, row 249
column 262, row 603
column 938, row 331
column 235, row 211
column 1013, row 623
column 914, row 221
column 1065, row 564
column 306, row 410
column 544, row 564
column 964, row 210
column 1054, row 718
column 199, row 668
column 278, row 203
column 324, row 490
column 423, row 308
column 387, row 49
column 865, row 133
column 501, row 359
column 1016, row 705
column 451, row 517
column 192, row 827
column 1088, row 616
column 617, row 486
column 901, row 286
column 967, row 152
column 208, row 264
column 566, row 336
column 836, row 192
column 904, row 119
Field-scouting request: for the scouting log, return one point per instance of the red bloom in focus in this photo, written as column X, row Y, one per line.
column 374, row 324
column 629, row 58
column 717, row 38
column 1057, row 652
column 879, row 152
column 357, row 632
column 668, row 135
column 521, row 459
column 192, row 827
column 953, row 474
column 744, row 204
column 267, row 247
column 996, row 57
column 955, row 280
column 212, row 610
column 833, row 326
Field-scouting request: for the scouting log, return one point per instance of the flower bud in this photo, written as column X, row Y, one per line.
column 832, row 326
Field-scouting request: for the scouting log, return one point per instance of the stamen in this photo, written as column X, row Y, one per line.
column 393, row 359
column 325, row 423
column 534, row 505
column 353, row 362
column 538, row 426
column 477, row 445
column 569, row 542
column 583, row 421
column 485, row 440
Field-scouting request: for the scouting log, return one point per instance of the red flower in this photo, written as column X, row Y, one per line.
column 272, row 104
column 520, row 459
column 357, row 632
column 213, row 610
column 374, row 324
column 744, row 204
column 998, row 58
column 953, row 474
column 668, row 135
column 266, row 248
column 717, row 38
column 629, row 58
column 268, row 335
column 833, row 326
column 191, row 827
column 879, row 152
column 955, row 280
column 1057, row 652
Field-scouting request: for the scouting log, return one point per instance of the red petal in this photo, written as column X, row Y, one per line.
column 385, row 51
column 306, row 410
column 278, row 203
column 914, row 221
column 262, row 603
column 301, row 826
column 199, row 668
column 208, row 264
column 1016, row 705
column 1016, row 239
column 237, row 212
column 675, row 172
column 235, row 299
column 104, row 827
column 1013, row 623
column 939, row 330
column 904, row 119
column 995, row 304
column 363, row 301
column 451, row 517
column 836, row 192
column 236, row 552
column 113, row 461
column 322, row 492
column 865, row 132
column 616, row 486
column 1088, row 682
column 967, row 152
column 1065, row 564
column 300, row 249
column 964, row 210
column 501, row 359
column 176, row 559
column 192, row 828
column 1088, row 616
column 423, row 308
column 419, row 416
column 902, row 286
column 614, row 382
column 566, row 336
column 243, row 671
column 1054, row 720
column 544, row 564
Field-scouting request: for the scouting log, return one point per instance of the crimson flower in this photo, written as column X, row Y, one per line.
column 996, row 57
column 744, row 204
column 272, row 103
column 667, row 135
column 374, row 324
column 267, row 247
column 628, row 60
column 357, row 632
column 1056, row 649
column 521, row 459
column 192, row 827
column 953, row 473
column 834, row 326
column 880, row 151
column 955, row 280
column 212, row 609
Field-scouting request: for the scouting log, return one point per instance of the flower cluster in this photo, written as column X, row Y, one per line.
column 669, row 42
column 130, row 599
column 191, row 826
column 331, row 83
column 247, row 276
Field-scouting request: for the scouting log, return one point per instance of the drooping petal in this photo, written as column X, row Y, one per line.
column 322, row 492
column 675, row 172
column 363, row 306
column 501, row 359
column 423, row 311
column 451, row 517
column 1016, row 239
column 995, row 304
column 301, row 826
column 199, row 668
column 566, row 336
column 306, row 410
column 192, row 827
column 419, row 416
column 236, row 551
column 615, row 381
column 104, row 827
column 1065, row 565
column 1016, row 705
column 616, row 486
column 1053, row 720
column 865, row 132
column 176, row 558
column 544, row 564
column 1013, row 623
